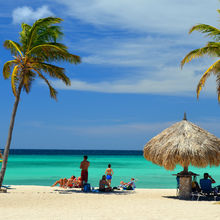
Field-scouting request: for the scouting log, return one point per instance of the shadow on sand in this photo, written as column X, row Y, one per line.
column 206, row 198
column 115, row 192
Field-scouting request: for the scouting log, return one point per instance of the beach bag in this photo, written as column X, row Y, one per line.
column 86, row 187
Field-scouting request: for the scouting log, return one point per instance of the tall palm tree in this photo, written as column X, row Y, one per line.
column 34, row 56
column 211, row 49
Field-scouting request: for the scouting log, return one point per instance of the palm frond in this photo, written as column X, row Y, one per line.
column 39, row 24
column 215, row 68
column 53, row 92
column 24, row 35
column 54, row 71
column 208, row 30
column 28, row 78
column 13, row 46
column 7, row 68
column 37, row 49
column 211, row 49
column 14, row 80
column 54, row 52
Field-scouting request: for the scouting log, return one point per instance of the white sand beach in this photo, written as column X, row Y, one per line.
column 47, row 203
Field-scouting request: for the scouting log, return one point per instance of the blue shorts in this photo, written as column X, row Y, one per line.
column 109, row 177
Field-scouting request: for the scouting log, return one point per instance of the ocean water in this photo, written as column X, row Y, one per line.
column 44, row 167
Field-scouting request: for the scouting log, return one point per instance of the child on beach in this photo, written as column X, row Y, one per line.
column 109, row 172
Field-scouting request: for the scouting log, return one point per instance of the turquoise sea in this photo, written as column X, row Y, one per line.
column 39, row 167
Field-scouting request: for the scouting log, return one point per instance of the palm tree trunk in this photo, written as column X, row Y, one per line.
column 7, row 146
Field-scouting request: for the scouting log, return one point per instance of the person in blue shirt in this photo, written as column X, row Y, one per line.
column 206, row 183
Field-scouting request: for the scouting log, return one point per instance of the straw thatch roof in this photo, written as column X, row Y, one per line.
column 183, row 143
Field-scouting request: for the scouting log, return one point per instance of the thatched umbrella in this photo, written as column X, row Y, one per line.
column 184, row 143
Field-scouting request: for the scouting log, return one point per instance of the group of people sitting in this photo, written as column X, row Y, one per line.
column 72, row 182
column 105, row 186
column 104, row 183
column 204, row 185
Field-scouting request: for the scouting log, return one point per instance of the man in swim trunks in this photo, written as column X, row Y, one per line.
column 84, row 170
column 1, row 156
column 109, row 172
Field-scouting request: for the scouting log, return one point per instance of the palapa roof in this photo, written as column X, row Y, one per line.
column 183, row 143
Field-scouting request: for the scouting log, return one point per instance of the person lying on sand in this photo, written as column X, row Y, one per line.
column 61, row 182
column 129, row 186
column 104, row 186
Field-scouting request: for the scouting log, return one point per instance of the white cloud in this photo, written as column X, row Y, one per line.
column 152, row 66
column 177, row 86
column 163, row 16
column 28, row 14
column 153, row 59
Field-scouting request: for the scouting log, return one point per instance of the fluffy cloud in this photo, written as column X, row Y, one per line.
column 28, row 14
column 151, row 66
column 160, row 16
column 179, row 85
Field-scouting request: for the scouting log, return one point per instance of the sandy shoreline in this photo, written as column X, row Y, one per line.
column 45, row 203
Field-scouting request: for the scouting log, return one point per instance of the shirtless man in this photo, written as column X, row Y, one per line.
column 84, row 170
column 109, row 172
column 1, row 156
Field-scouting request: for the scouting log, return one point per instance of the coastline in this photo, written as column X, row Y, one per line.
column 44, row 202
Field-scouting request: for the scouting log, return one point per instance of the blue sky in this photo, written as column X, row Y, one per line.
column 129, row 86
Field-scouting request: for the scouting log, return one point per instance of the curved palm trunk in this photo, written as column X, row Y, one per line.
column 7, row 146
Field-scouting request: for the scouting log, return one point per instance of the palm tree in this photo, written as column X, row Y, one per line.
column 211, row 49
column 33, row 57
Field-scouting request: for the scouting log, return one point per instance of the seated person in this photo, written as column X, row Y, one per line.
column 129, row 186
column 78, row 183
column 71, row 182
column 104, row 186
column 195, row 185
column 206, row 183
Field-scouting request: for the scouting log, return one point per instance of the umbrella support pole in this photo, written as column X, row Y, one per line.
column 185, row 169
column 185, row 187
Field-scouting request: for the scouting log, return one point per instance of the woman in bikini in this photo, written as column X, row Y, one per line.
column 109, row 172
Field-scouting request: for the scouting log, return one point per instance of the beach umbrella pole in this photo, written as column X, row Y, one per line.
column 185, row 185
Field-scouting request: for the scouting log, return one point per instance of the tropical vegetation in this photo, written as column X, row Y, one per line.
column 211, row 49
column 35, row 55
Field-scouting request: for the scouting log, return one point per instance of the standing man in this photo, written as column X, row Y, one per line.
column 1, row 156
column 84, row 170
